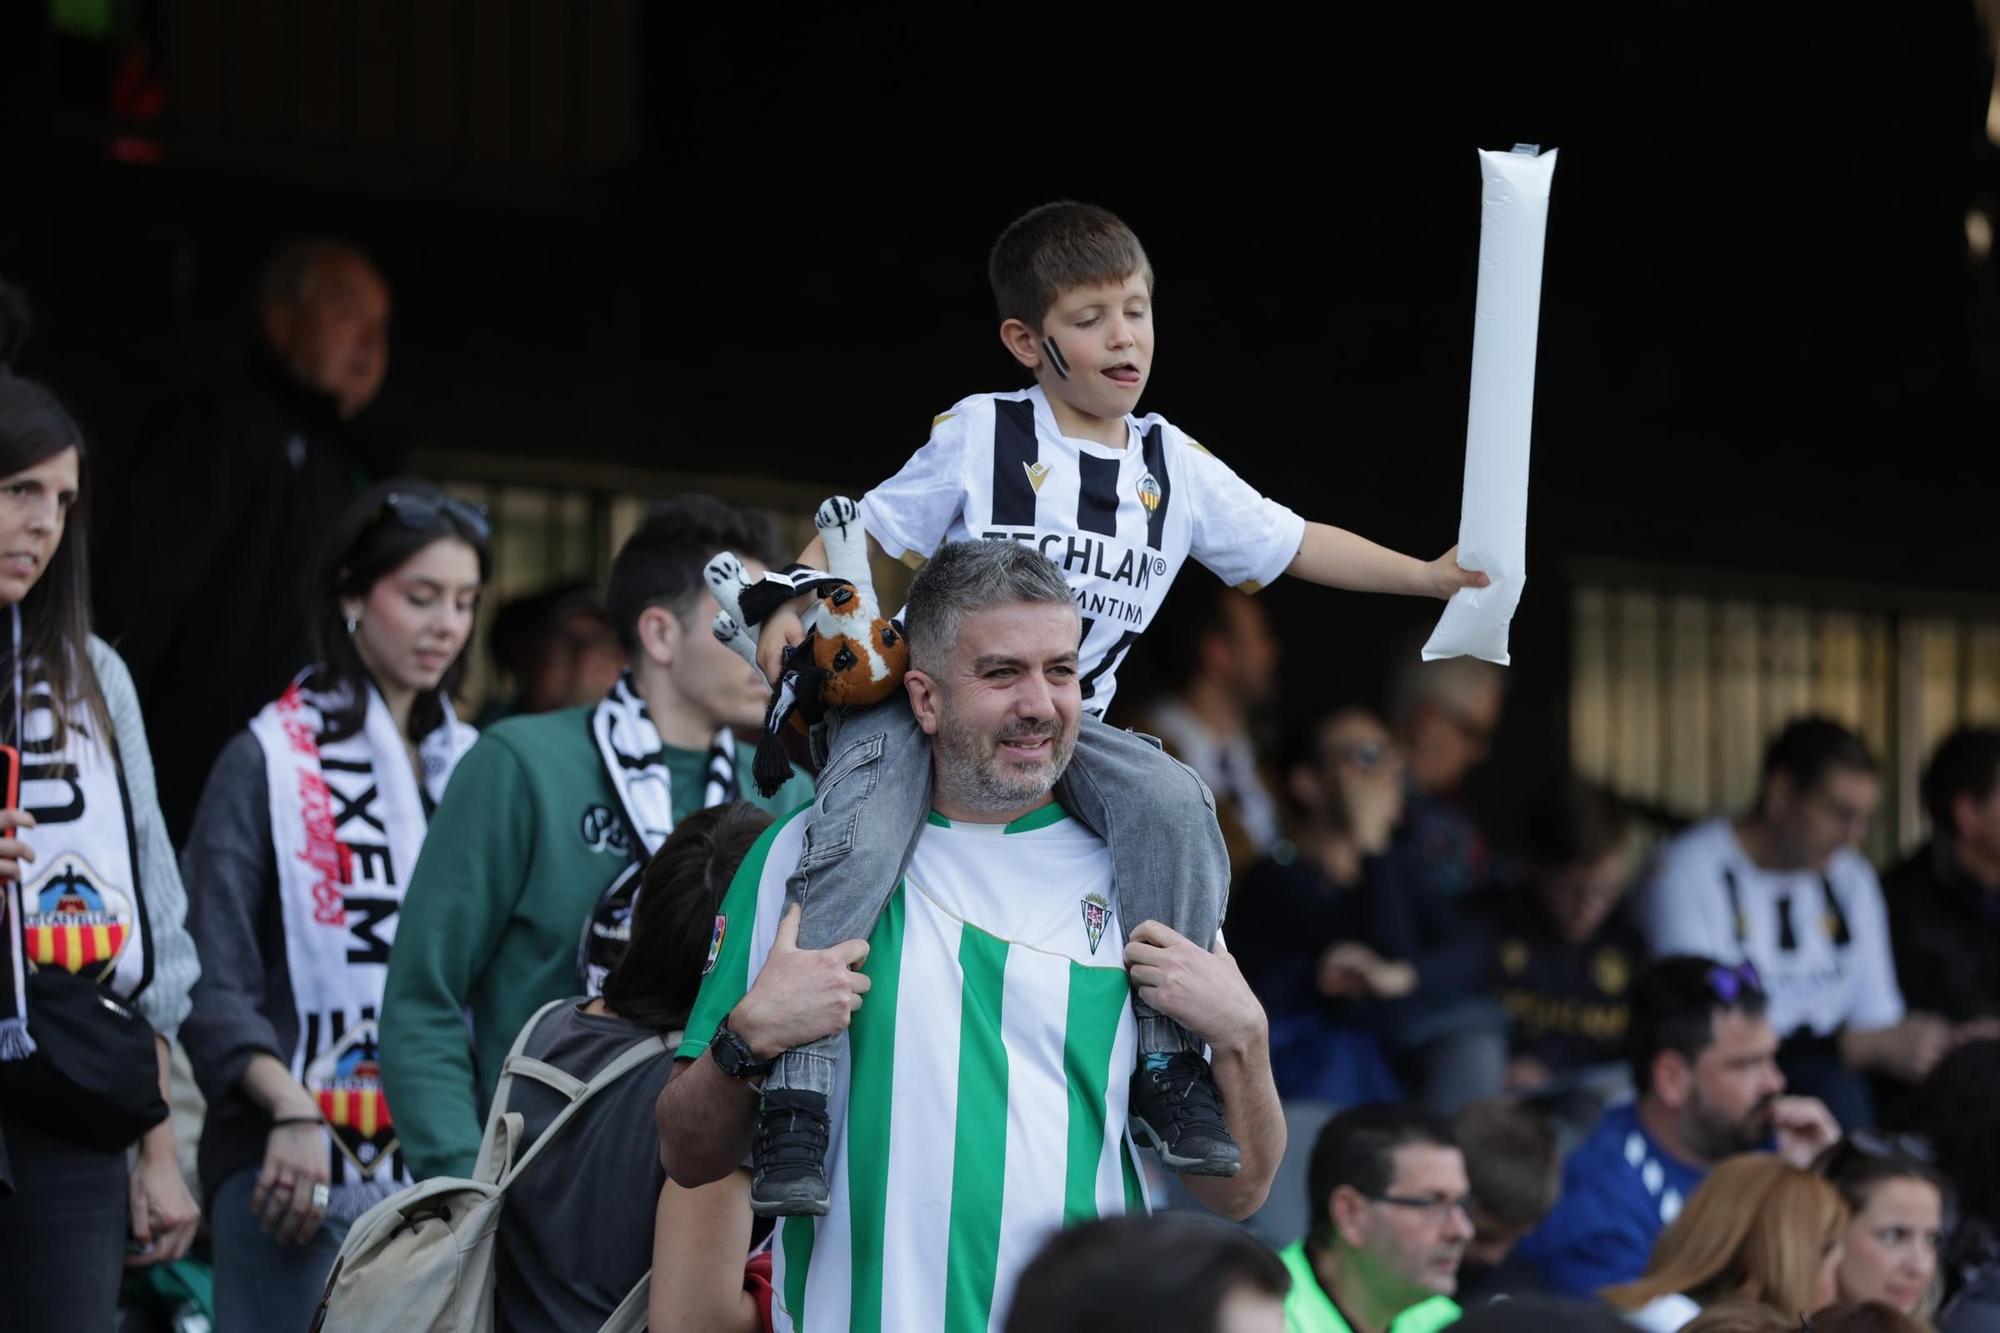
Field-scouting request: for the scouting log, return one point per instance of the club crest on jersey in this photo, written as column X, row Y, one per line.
column 715, row 943
column 1038, row 472
column 1096, row 913
column 1149, row 492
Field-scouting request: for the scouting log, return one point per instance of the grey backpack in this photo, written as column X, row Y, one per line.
column 422, row 1261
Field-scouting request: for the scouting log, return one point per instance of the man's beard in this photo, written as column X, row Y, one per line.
column 971, row 769
column 1714, row 1138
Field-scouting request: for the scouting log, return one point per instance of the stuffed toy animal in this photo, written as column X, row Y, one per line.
column 852, row 655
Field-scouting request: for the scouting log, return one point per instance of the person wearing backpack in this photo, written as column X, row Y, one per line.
column 589, row 1219
column 567, row 1208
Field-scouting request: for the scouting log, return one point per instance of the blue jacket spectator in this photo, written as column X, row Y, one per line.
column 1706, row 1072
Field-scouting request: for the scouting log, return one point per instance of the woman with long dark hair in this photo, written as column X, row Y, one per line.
column 1897, row 1201
column 1954, row 1112
column 304, row 840
column 95, row 911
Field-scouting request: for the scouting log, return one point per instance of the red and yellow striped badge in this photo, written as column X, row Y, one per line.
column 74, row 947
column 362, row 1109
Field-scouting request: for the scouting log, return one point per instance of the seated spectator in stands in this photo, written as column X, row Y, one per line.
column 1704, row 1065
column 558, row 650
column 1347, row 951
column 1298, row 915
column 1896, row 1199
column 1759, row 1229
column 1569, row 951
column 1446, row 714
column 1109, row 1274
column 1220, row 668
column 1944, row 901
column 1419, row 957
column 1954, row 1110
column 1516, row 1174
column 594, row 1215
column 1388, row 1199
column 1784, row 888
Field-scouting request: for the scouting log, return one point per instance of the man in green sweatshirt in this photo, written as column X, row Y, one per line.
column 523, row 891
column 1389, row 1226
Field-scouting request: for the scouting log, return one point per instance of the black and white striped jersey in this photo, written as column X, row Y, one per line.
column 1119, row 522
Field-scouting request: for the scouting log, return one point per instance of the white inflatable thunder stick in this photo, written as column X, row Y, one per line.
column 1493, row 522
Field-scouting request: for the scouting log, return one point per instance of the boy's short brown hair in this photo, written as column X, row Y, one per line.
column 1057, row 248
column 1511, row 1160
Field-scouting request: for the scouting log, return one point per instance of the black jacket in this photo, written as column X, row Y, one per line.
column 202, row 571
column 1945, row 932
column 1570, row 1004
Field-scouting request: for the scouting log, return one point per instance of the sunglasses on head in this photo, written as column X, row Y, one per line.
column 1884, row 1146
column 420, row 511
column 1730, row 984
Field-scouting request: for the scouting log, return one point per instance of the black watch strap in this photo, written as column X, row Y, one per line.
column 733, row 1055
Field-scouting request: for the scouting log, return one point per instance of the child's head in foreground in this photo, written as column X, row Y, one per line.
column 1075, row 292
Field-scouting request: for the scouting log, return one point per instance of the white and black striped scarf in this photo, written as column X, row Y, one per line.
column 81, row 904
column 635, row 761
column 348, row 818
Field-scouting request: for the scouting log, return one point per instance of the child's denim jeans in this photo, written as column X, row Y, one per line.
column 1168, row 863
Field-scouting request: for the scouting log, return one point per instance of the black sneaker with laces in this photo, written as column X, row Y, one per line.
column 1177, row 1109
column 788, row 1155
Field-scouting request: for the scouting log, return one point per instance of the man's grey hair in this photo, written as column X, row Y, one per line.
column 288, row 271
column 969, row 576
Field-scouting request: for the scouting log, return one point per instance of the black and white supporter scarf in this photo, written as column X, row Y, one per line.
column 635, row 761
column 348, row 818
column 80, row 905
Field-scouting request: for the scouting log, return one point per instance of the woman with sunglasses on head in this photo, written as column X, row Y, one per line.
column 1897, row 1201
column 94, row 907
column 303, row 842
column 1955, row 1112
column 1758, row 1229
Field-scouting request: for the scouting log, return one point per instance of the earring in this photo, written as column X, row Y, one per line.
column 353, row 624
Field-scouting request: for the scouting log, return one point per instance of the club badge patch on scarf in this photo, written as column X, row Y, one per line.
column 77, row 920
column 347, row 1084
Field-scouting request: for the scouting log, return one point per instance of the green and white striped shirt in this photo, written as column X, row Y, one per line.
column 983, row 1101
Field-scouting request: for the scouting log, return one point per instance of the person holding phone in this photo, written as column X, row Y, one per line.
column 303, row 841
column 91, row 892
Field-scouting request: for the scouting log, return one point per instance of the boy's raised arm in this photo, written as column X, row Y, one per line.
column 1337, row 558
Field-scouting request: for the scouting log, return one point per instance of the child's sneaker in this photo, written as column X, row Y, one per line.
column 1176, row 1108
column 788, row 1155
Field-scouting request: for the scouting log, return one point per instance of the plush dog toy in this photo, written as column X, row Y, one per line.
column 852, row 655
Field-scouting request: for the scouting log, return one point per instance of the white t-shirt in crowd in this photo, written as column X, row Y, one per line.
column 1824, row 960
column 1119, row 522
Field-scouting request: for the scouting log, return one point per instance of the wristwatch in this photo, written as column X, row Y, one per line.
column 733, row 1057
